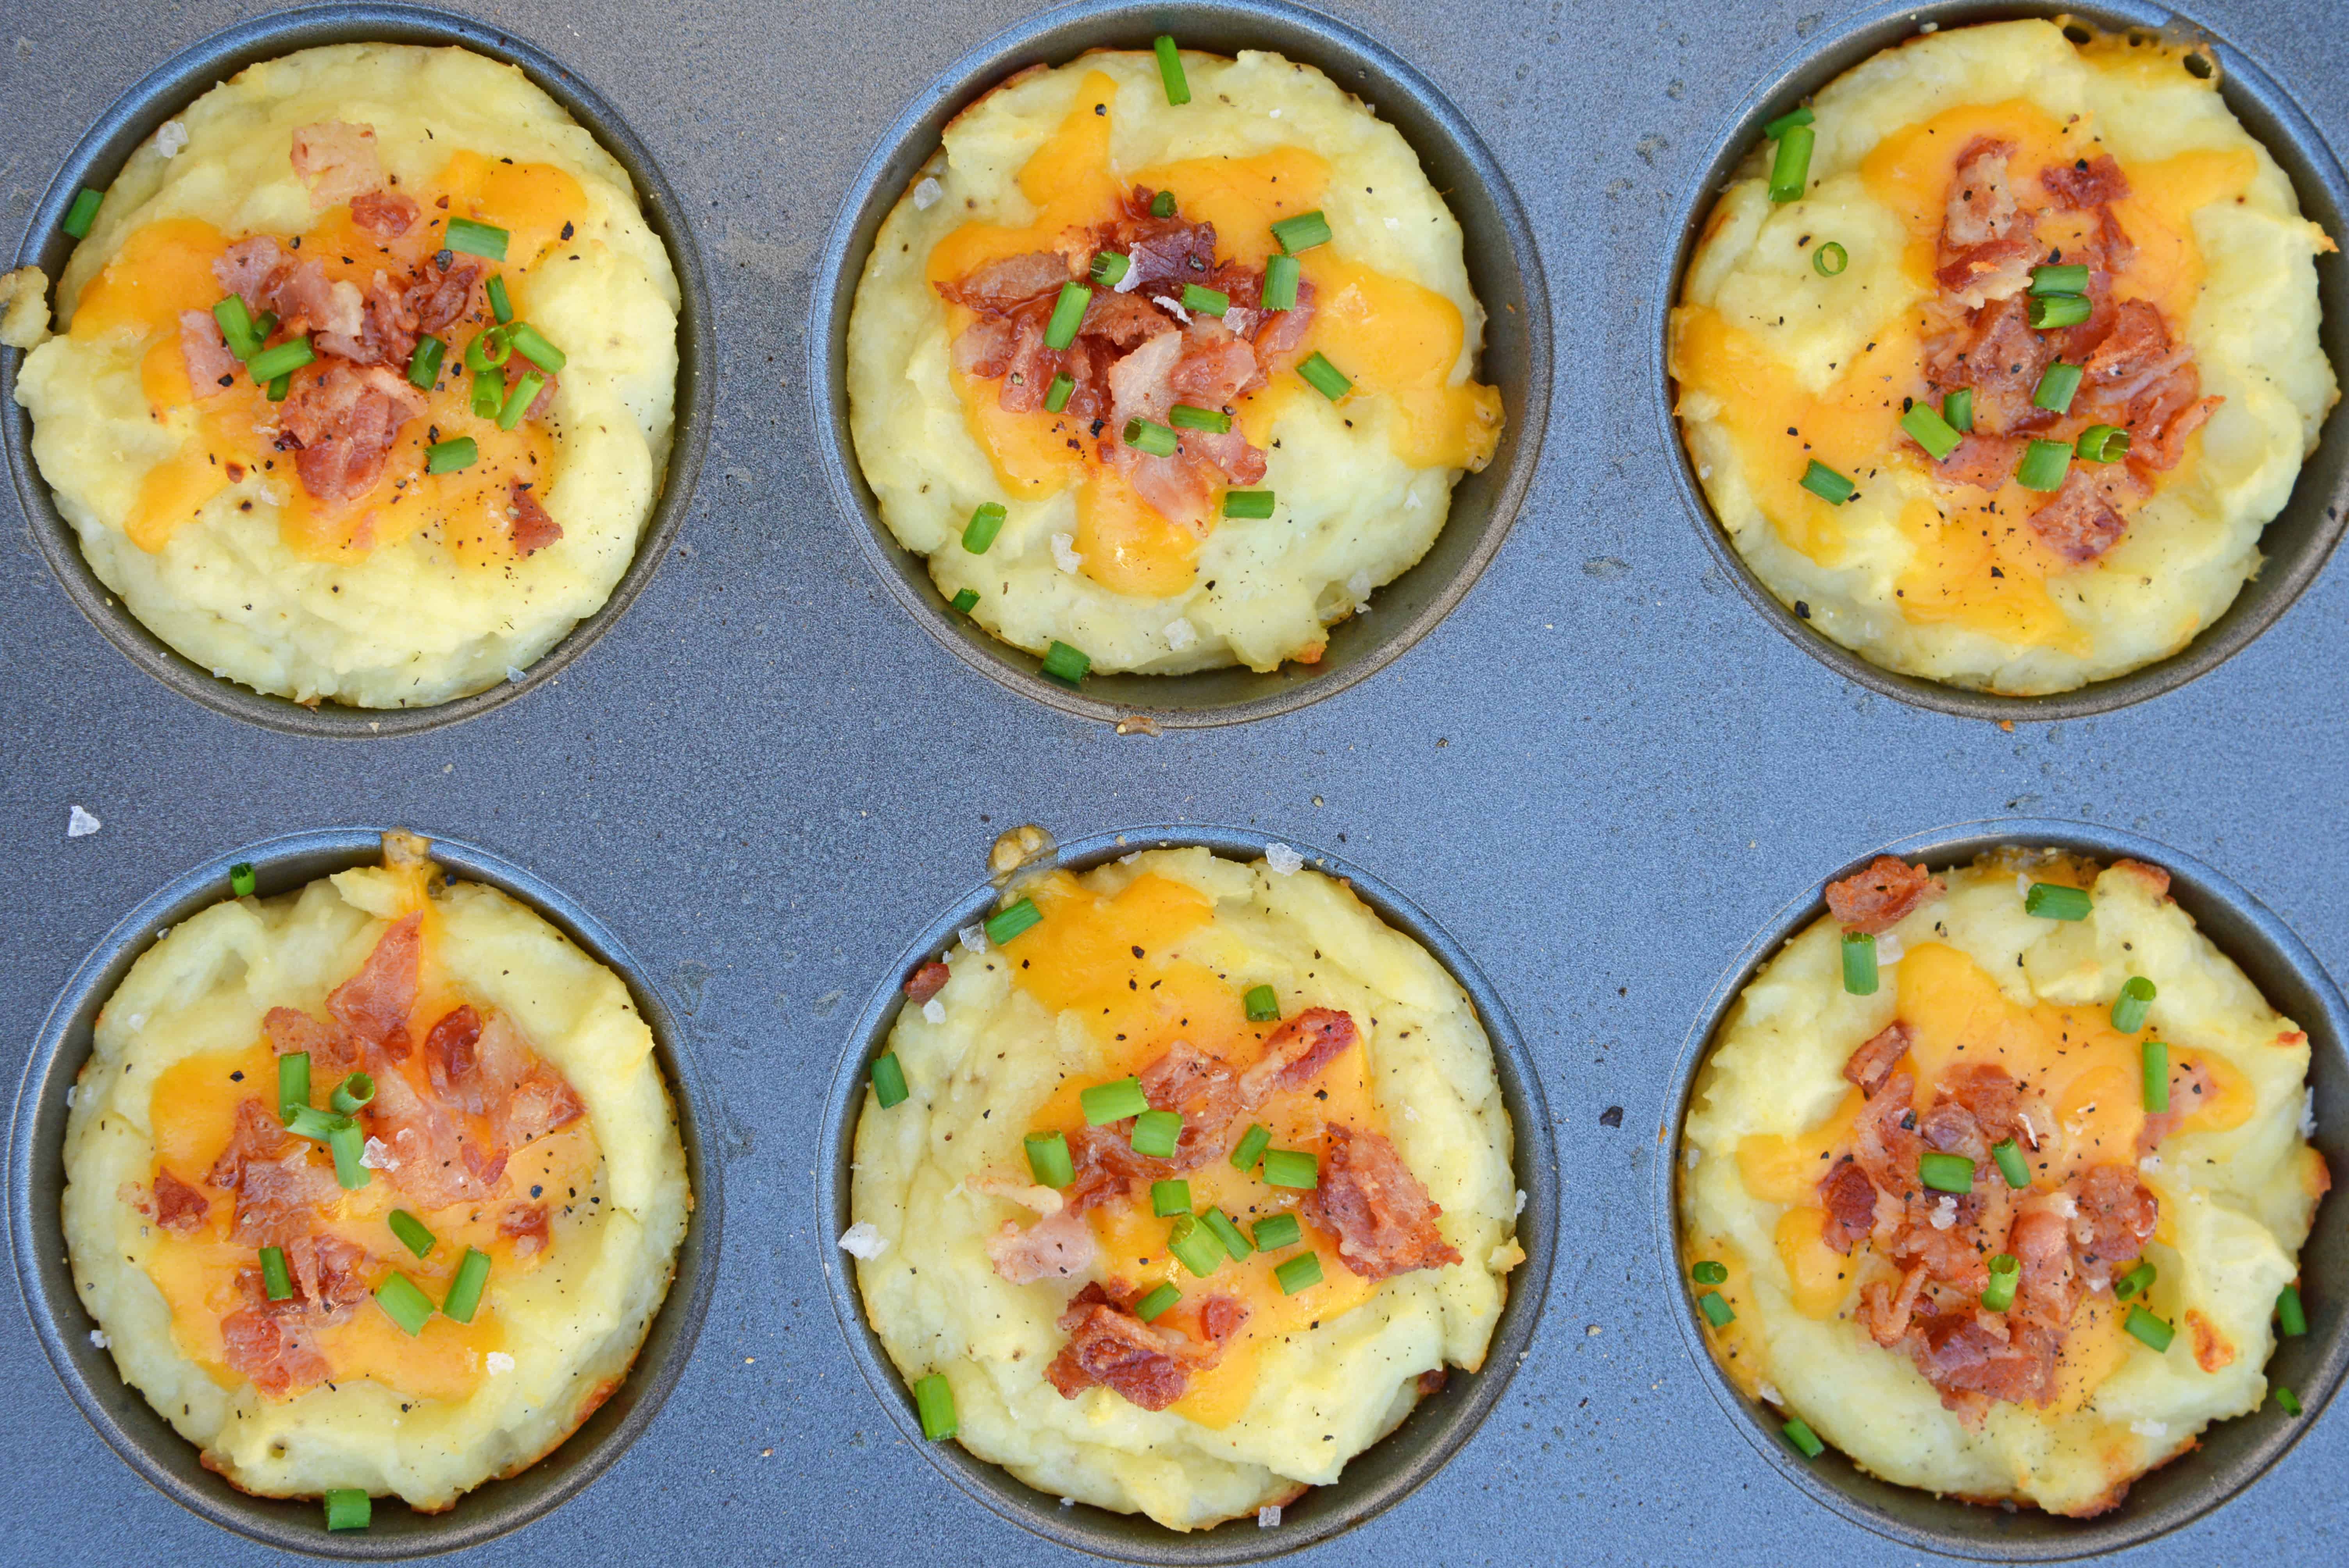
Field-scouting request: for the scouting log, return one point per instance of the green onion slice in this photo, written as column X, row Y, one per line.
column 276, row 1282
column 1106, row 1102
column 1301, row 232
column 1275, row 1232
column 2150, row 1329
column 1930, row 431
column 2063, row 280
column 283, row 360
column 2286, row 1400
column 1065, row 664
column 1204, row 301
column 1153, row 1307
column 241, row 880
column 83, row 213
column 2011, row 1163
column 1147, row 435
column 2058, row 385
column 2054, row 900
column 1155, row 1133
column 1068, row 314
column 1827, row 485
column 1235, row 1243
column 424, row 365
column 1958, row 408
column 352, row 1093
column 1830, row 260
column 308, row 1121
column 1859, row 964
column 488, row 351
column 1007, row 923
column 2005, row 1273
column 1056, row 396
column 1251, row 1147
column 1302, row 1272
column 1279, row 284
column 2292, row 1317
column 1790, row 168
column 1323, row 376
column 2048, row 312
column 1184, row 417
column 1168, row 1199
column 934, row 1398
column 1786, row 122
column 348, row 1508
column 404, row 1304
column 500, row 307
column 485, row 239
column 1109, row 268
column 2133, row 1003
column 1195, row 1245
column 1946, row 1173
column 277, row 388
column 532, row 345
column 1170, row 70
column 464, row 1296
column 411, row 1232
column 489, row 394
column 447, row 457
column 2137, row 1279
column 965, row 601
column 1295, row 1168
column 1710, row 1273
column 348, row 1146
column 1716, row 1309
column 1163, row 204
column 1806, row 1441
column 888, row 1079
column 984, row 524
column 237, row 329
column 1248, row 503
column 2103, row 444
column 1049, row 1160
column 518, row 401
column 1263, row 1006
column 2156, row 1075
column 292, row 1084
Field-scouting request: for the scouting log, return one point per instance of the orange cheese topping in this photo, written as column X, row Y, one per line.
column 165, row 268
column 1117, row 962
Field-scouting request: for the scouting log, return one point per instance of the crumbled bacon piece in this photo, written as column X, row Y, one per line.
column 343, row 420
column 2116, row 1217
column 1107, row 1167
column 541, row 406
column 1998, row 357
column 926, row 982
column 279, row 1190
column 329, row 1276
column 2080, row 522
column 180, row 1207
column 212, row 368
column 386, row 214
column 525, row 1225
column 1058, row 1246
column 1872, row 1062
column 245, row 269
column 337, row 160
column 1109, row 1347
column 387, row 333
column 533, row 530
column 2085, row 184
column 1221, row 1316
column 1384, row 1219
column 374, row 1004
column 291, row 1031
column 438, row 295
column 1203, row 1088
column 2048, row 1288
column 1850, row 1199
column 449, row 1055
column 1881, row 896
column 1986, row 242
column 1975, row 1356
column 1295, row 1053
column 276, row 1351
column 1983, row 461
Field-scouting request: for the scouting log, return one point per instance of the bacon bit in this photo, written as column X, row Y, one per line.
column 522, row 1098
column 525, row 1224
column 2190, row 1087
column 329, row 1276
column 1850, row 1199
column 1985, row 462
column 1975, row 1356
column 1221, row 1316
column 1997, row 354
column 2081, row 521
column 1986, row 242
column 1382, row 1218
column 1885, row 1312
column 385, row 214
column 449, row 1056
column 1204, row 1089
column 533, row 529
column 244, row 269
column 279, row 1191
column 374, row 1004
column 1107, row 1167
column 180, row 1207
column 2048, row 1288
column 927, row 981
column 1002, row 286
column 1295, row 1053
column 1058, row 1246
column 438, row 297
column 541, row 406
column 2084, row 185
column 1872, row 1063
column 337, row 160
column 1881, row 896
column 278, row 1353
column 387, row 333
column 345, row 419
column 1110, row 1348
column 1432, row 1381
column 212, row 368
column 2116, row 1217
column 291, row 1031
column 306, row 300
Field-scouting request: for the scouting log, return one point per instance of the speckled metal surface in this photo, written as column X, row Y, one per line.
column 1603, row 773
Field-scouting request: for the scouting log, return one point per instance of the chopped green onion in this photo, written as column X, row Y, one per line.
column 308, row 1121
column 1710, row 1273
column 1251, row 1147
column 1279, row 284
column 1155, row 1133
column 1958, row 408
column 404, row 1304
column 2131, row 1006
column 1946, row 1173
column 965, row 601
column 1106, row 1102
column 348, row 1508
column 2292, row 1317
column 1056, row 396
column 2058, row 385
column 2103, row 444
column 1002, row 926
column 1930, row 431
column 241, row 880
column 2157, row 1076
column 1716, row 1309
column 1168, row 1199
column 532, row 345
column 1859, row 964
column 411, row 1232
column 2063, row 280
column 1790, row 169
column 1275, row 1232
column 489, row 350
column 1147, row 435
column 934, row 1398
column 464, row 1297
column 348, row 1146
column 2150, row 1329
column 2286, row 1401
column 1827, row 485
column 1064, row 663
column 1323, row 376
column 485, row 239
column 518, row 401
column 2054, row 900
column 1829, row 260
column 2048, row 312
column 1263, row 1006
column 278, row 389
column 1153, row 1306
column 500, row 307
column 1068, row 314
column 1291, row 1168
column 237, row 329
column 888, row 1079
column 1170, row 70
column 1302, row 1272
column 352, row 1093
column 276, row 1284
column 1049, row 1160
column 1109, row 268
column 1226, row 1233
column 1301, row 232
column 984, row 524
column 1248, row 503
column 292, row 1084
column 283, row 360
column 2139, row 1278
column 489, row 394
column 1786, row 122
column 1806, row 1441
column 1163, row 204
column 83, row 213
column 1195, row 1245
column 447, row 456
column 424, row 365
column 2005, row 1273
column 2011, row 1164
column 1205, row 300
column 1184, row 417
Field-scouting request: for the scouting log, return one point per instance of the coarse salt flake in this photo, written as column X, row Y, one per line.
column 97, row 1337
column 1179, row 312
column 2021, row 885
column 80, row 824
column 71, row 1090
column 1694, row 1155
column 2150, row 1164
column 1769, row 1395
column 934, row 1011
column 1064, row 552
column 1521, row 1205
column 973, row 937
column 377, row 1156
column 2149, row 1428
column 498, row 1362
column 513, row 675
column 1944, row 1214
column 171, row 138
column 1888, row 949
column 1358, row 588
column 1269, row 1516
column 1181, row 633
column 1282, row 861
column 2308, row 1114
column 861, row 1241
column 927, row 195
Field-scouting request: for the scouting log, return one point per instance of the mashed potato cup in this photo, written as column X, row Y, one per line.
column 1154, row 1334
column 1997, row 1181
column 423, row 1268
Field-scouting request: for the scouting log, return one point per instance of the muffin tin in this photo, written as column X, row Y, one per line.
column 1599, row 774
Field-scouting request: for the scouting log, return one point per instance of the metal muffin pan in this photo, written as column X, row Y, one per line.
column 165, row 93
column 2301, row 537
column 1601, row 773
column 1504, row 270
column 2231, row 1455
column 121, row 1414
column 1381, row 1475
